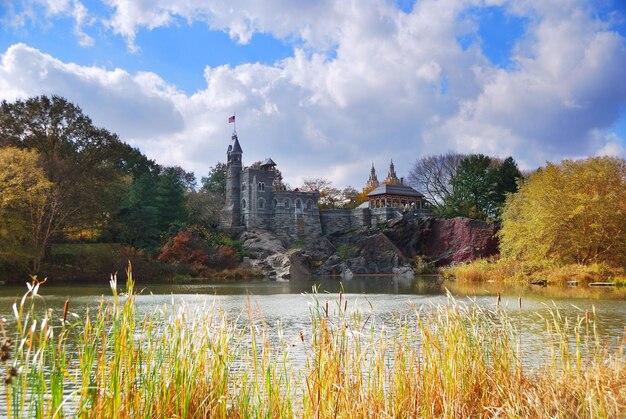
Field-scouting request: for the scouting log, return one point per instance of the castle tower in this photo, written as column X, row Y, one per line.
column 372, row 182
column 231, row 216
column 392, row 178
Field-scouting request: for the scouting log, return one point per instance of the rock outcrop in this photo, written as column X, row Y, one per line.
column 459, row 240
column 387, row 250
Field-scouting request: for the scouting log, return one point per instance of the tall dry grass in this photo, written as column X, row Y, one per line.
column 522, row 272
column 450, row 360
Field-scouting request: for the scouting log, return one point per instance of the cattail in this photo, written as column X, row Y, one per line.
column 5, row 350
column 66, row 309
column 498, row 301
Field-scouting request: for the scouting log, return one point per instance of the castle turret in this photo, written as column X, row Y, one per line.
column 232, row 208
column 372, row 182
column 392, row 178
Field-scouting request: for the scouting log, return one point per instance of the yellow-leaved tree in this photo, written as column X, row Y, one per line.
column 572, row 212
column 24, row 194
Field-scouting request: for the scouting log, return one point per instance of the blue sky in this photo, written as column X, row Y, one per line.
column 327, row 87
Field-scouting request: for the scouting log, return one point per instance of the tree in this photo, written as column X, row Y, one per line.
column 137, row 220
column 330, row 197
column 480, row 187
column 508, row 176
column 432, row 175
column 203, row 208
column 170, row 197
column 24, row 195
column 215, row 182
column 78, row 158
column 350, row 197
column 473, row 189
column 572, row 212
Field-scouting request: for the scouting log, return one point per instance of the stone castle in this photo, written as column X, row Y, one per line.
column 257, row 199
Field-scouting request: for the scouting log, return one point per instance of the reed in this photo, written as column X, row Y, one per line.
column 450, row 360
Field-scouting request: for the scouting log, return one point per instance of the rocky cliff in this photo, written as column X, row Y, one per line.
column 389, row 249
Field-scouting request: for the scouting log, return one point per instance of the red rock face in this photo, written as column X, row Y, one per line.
column 459, row 240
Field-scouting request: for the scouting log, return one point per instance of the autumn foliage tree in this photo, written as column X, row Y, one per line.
column 572, row 212
column 24, row 195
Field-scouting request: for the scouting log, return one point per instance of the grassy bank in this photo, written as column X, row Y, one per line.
column 519, row 272
column 84, row 262
column 453, row 360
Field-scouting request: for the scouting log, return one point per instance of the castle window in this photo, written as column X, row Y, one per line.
column 298, row 204
column 287, row 203
column 261, row 187
column 243, row 186
column 243, row 203
column 274, row 203
column 261, row 203
column 309, row 204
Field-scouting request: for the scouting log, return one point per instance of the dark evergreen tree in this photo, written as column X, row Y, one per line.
column 170, row 198
column 508, row 176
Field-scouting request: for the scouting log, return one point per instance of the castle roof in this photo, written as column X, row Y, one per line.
column 236, row 147
column 403, row 190
column 268, row 162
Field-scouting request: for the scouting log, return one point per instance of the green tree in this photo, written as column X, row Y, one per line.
column 572, row 212
column 170, row 198
column 480, row 187
column 215, row 182
column 473, row 189
column 508, row 176
column 137, row 220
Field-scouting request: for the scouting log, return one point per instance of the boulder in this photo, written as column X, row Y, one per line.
column 262, row 243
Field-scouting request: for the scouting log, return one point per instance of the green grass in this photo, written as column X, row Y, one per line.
column 450, row 360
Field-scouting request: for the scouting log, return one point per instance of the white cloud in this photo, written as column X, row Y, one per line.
column 366, row 83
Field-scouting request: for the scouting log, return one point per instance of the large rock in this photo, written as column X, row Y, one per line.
column 409, row 233
column 262, row 243
column 459, row 240
column 376, row 254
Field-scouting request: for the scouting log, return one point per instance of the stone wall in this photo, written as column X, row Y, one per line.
column 335, row 220
column 384, row 214
column 361, row 217
column 295, row 215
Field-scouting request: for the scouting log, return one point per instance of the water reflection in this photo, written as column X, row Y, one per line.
column 385, row 296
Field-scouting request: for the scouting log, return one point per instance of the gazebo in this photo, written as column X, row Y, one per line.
column 398, row 196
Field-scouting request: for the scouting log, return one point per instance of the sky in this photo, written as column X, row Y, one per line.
column 328, row 87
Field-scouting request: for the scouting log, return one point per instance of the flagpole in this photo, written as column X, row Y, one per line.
column 235, row 123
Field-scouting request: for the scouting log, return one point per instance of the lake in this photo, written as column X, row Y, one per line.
column 385, row 296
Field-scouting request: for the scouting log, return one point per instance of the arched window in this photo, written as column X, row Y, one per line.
column 274, row 203
column 261, row 203
column 243, row 203
column 287, row 203
column 309, row 205
column 261, row 187
column 298, row 204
